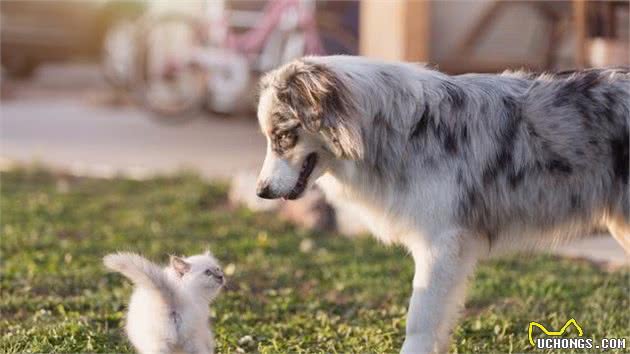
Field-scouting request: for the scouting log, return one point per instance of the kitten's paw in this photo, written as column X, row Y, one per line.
column 418, row 344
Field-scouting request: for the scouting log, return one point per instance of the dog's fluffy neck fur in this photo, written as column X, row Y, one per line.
column 392, row 111
column 369, row 179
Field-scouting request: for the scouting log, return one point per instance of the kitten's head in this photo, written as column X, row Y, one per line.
column 200, row 274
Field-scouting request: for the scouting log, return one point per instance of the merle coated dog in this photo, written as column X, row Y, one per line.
column 455, row 168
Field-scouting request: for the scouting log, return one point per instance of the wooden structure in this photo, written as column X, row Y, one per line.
column 394, row 29
column 399, row 30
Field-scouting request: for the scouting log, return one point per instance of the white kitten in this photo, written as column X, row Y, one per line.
column 168, row 311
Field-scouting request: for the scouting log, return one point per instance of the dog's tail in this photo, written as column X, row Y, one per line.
column 140, row 271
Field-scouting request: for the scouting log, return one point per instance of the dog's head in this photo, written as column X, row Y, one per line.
column 309, row 119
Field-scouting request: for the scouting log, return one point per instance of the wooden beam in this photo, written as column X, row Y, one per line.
column 579, row 25
column 417, row 28
column 394, row 29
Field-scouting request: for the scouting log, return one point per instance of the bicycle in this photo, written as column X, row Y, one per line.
column 177, row 64
column 183, row 63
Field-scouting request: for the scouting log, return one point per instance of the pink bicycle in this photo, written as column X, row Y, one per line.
column 187, row 63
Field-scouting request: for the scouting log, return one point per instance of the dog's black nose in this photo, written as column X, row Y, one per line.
column 264, row 191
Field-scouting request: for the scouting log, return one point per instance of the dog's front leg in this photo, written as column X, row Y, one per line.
column 442, row 266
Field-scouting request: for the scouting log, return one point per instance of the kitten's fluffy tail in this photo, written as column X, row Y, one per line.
column 140, row 271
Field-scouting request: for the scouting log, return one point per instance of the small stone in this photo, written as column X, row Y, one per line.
column 229, row 269
column 246, row 341
column 306, row 245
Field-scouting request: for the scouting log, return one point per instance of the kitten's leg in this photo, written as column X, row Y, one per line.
column 210, row 344
column 156, row 348
column 199, row 346
column 191, row 348
column 158, row 341
column 149, row 343
column 443, row 265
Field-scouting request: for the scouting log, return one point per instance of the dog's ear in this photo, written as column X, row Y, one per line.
column 318, row 98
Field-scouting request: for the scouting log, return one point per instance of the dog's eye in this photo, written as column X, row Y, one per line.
column 208, row 272
column 286, row 140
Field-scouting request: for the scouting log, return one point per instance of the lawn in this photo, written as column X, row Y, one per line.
column 290, row 290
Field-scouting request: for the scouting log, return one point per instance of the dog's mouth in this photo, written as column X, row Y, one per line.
column 305, row 172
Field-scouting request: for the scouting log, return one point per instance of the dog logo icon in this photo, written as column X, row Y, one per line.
column 553, row 333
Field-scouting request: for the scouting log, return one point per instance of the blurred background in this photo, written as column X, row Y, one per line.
column 138, row 88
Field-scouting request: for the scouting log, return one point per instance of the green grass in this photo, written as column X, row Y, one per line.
column 342, row 296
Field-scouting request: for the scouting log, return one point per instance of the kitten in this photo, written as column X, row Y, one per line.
column 168, row 311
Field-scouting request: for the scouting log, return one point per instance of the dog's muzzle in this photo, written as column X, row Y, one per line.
column 264, row 190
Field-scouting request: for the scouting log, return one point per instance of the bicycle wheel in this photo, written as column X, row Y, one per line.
column 168, row 84
column 118, row 56
column 228, row 79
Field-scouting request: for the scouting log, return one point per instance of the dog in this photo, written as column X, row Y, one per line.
column 455, row 168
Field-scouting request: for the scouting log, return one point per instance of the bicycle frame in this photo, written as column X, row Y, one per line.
column 274, row 17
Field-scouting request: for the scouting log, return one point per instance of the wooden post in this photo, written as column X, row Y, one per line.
column 579, row 25
column 394, row 29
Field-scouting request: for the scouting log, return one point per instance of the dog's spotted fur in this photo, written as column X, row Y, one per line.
column 456, row 166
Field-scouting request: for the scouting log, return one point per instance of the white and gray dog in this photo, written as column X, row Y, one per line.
column 455, row 168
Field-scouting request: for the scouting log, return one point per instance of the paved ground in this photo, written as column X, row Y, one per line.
column 62, row 118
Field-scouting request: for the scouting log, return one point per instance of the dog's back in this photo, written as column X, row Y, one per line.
column 551, row 157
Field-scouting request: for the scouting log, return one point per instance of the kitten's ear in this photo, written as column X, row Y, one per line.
column 180, row 265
